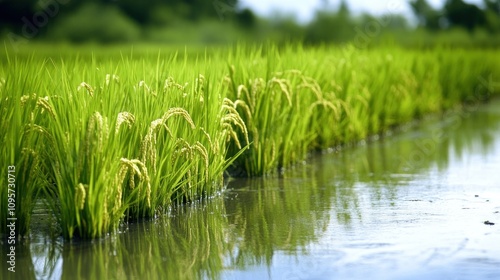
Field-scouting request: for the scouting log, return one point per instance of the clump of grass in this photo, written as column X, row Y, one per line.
column 295, row 102
column 21, row 149
column 107, row 137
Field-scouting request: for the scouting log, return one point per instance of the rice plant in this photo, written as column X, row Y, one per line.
column 107, row 135
column 300, row 100
column 21, row 150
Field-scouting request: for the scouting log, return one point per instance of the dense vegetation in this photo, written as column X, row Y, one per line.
column 113, row 135
column 222, row 21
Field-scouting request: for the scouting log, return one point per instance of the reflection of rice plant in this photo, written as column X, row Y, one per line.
column 128, row 144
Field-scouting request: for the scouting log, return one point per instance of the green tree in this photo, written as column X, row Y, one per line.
column 492, row 14
column 427, row 16
column 328, row 26
column 246, row 18
column 492, row 5
column 13, row 11
column 461, row 14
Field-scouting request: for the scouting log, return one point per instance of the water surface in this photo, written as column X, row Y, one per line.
column 411, row 205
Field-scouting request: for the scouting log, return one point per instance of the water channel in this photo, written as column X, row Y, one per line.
column 411, row 205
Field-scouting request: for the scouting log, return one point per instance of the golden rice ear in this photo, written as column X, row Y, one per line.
column 171, row 83
column 24, row 99
column 110, row 78
column 327, row 104
column 136, row 167
column 80, row 195
column 295, row 72
column 212, row 147
column 232, row 116
column 257, row 87
column 246, row 109
column 124, row 117
column 204, row 154
column 147, row 89
column 89, row 89
column 311, row 84
column 119, row 181
column 284, row 86
column 200, row 83
column 273, row 151
column 229, row 133
column 43, row 102
column 97, row 125
column 148, row 145
column 242, row 89
column 37, row 128
column 179, row 112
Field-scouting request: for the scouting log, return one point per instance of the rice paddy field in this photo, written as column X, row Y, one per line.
column 108, row 135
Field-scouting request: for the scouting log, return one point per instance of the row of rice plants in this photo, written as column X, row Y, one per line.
column 19, row 138
column 295, row 100
column 117, row 139
column 107, row 138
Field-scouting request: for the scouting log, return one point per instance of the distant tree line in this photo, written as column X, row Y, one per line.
column 450, row 23
column 11, row 11
column 217, row 20
column 457, row 13
column 15, row 13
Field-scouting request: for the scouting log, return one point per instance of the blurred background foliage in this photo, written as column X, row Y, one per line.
column 226, row 21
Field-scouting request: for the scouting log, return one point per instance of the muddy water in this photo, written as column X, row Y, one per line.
column 412, row 205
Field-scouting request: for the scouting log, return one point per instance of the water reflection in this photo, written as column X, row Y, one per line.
column 188, row 244
column 321, row 216
column 267, row 215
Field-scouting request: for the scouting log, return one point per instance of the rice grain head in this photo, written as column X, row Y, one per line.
column 110, row 78
column 43, row 102
column 208, row 138
column 89, row 89
column 137, row 167
column 204, row 154
column 200, row 84
column 148, row 147
column 179, row 112
column 233, row 117
column 171, row 83
column 313, row 85
column 146, row 88
column 80, row 196
column 124, row 117
column 284, row 87
column 246, row 109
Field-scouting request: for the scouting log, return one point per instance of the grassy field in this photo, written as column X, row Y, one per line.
column 109, row 134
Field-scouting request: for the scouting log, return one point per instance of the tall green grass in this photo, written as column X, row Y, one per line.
column 118, row 140
column 297, row 100
column 21, row 141
column 107, row 136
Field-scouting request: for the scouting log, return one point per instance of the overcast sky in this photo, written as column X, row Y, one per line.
column 304, row 9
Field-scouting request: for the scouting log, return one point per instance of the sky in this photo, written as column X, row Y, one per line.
column 304, row 9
